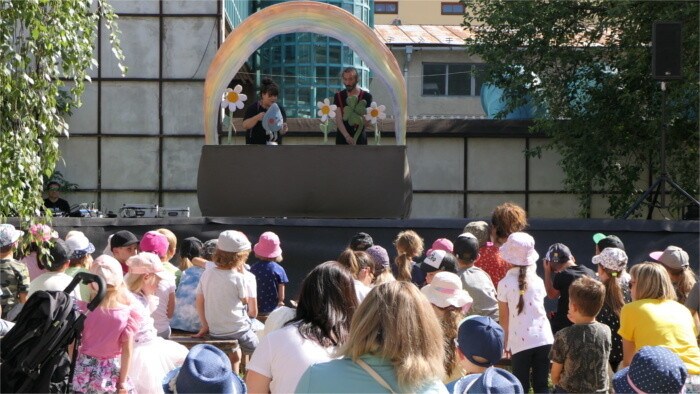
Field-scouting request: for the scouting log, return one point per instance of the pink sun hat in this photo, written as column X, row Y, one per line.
column 268, row 245
column 441, row 244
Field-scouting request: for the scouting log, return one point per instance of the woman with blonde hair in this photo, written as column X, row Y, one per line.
column 507, row 219
column 654, row 318
column 395, row 345
column 409, row 245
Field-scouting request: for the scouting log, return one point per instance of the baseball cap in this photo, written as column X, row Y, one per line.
column 441, row 244
column 611, row 258
column 446, row 290
column 123, row 238
column 466, row 247
column 9, row 235
column 233, row 241
column 79, row 246
column 109, row 269
column 492, row 381
column 191, row 247
column 268, row 245
column 608, row 241
column 147, row 263
column 672, row 257
column 481, row 336
column 154, row 242
column 439, row 260
column 379, row 255
column 209, row 248
column 361, row 241
column 558, row 253
column 58, row 250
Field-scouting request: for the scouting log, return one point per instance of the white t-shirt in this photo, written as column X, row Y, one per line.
column 223, row 291
column 283, row 356
column 251, row 284
column 531, row 328
column 160, row 314
column 361, row 290
column 52, row 281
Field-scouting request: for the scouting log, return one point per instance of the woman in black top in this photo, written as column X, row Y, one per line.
column 252, row 121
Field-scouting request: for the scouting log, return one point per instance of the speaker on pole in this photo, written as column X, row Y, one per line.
column 666, row 50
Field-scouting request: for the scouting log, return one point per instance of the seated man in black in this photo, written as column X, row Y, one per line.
column 346, row 132
column 55, row 203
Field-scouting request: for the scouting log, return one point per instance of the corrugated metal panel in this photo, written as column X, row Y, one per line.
column 421, row 34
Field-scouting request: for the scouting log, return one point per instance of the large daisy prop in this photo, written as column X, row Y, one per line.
column 326, row 111
column 374, row 113
column 233, row 98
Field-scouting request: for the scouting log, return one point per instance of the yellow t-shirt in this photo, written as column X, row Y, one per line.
column 666, row 323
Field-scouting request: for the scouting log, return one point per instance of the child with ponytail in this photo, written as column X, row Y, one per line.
column 522, row 315
column 611, row 264
column 677, row 264
column 409, row 245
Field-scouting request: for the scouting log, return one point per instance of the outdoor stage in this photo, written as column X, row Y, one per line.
column 308, row 242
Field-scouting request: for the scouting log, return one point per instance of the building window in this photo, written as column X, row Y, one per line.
column 386, row 7
column 452, row 8
column 451, row 79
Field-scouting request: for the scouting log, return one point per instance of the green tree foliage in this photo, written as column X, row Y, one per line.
column 587, row 66
column 43, row 45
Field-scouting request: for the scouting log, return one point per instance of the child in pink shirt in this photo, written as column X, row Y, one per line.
column 108, row 337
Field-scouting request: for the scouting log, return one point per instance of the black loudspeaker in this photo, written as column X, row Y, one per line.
column 666, row 61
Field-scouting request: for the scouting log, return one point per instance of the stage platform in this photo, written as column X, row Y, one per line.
column 308, row 242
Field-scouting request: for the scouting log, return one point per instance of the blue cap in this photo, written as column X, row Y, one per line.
column 493, row 380
column 654, row 369
column 206, row 370
column 481, row 336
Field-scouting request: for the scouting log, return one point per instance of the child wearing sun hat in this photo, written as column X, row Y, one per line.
column 521, row 296
column 271, row 278
column 449, row 300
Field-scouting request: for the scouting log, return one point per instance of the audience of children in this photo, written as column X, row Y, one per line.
column 389, row 341
column 271, row 278
column 521, row 303
column 580, row 352
column 475, row 280
column 448, row 300
column 327, row 303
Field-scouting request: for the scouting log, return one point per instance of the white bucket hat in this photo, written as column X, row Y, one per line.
column 446, row 290
column 519, row 249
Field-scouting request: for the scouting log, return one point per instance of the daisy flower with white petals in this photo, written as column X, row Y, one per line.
column 326, row 110
column 233, row 98
column 375, row 112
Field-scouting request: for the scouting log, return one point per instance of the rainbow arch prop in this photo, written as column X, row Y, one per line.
column 307, row 17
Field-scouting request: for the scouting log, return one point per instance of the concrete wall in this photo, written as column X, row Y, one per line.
column 419, row 105
column 137, row 139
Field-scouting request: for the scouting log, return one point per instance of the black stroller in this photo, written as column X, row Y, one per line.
column 34, row 353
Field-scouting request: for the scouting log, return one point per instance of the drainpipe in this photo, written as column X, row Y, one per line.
column 409, row 51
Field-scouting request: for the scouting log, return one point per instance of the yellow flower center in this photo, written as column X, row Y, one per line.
column 232, row 97
column 374, row 113
column 325, row 110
